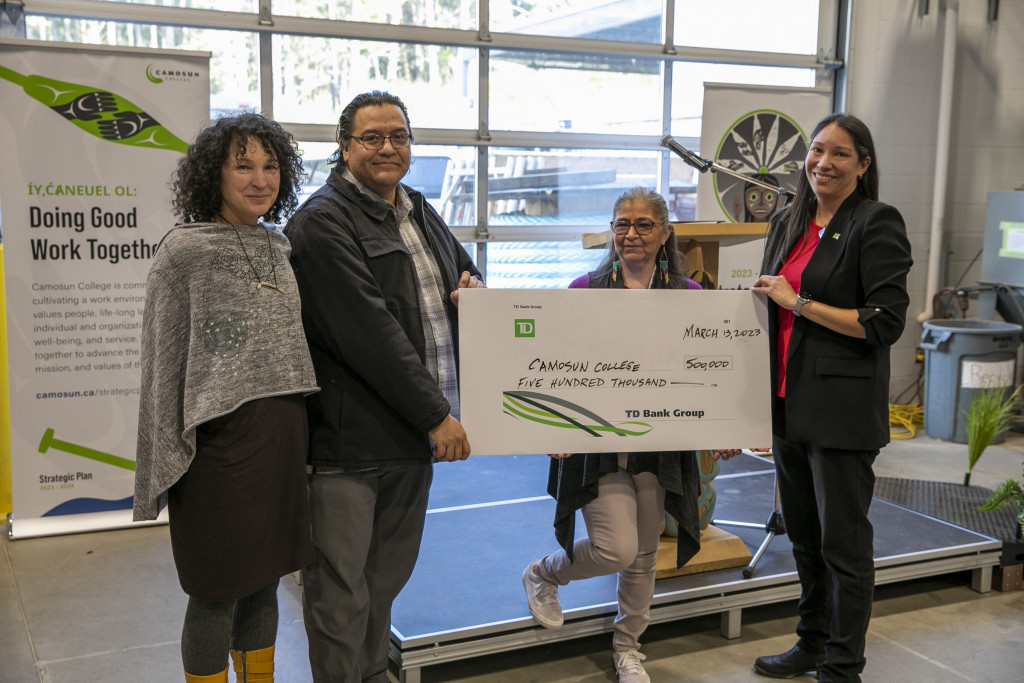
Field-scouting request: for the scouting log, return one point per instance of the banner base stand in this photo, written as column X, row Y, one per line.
column 37, row 527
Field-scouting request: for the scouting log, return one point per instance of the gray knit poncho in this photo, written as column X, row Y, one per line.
column 212, row 339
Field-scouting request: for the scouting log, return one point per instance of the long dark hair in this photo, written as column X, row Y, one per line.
column 374, row 98
column 795, row 218
column 660, row 209
column 195, row 186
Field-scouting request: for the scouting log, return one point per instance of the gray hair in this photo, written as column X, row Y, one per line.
column 660, row 209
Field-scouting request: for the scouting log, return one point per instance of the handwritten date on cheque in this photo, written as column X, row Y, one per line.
column 697, row 332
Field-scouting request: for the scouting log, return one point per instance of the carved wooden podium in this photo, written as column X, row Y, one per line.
column 719, row 549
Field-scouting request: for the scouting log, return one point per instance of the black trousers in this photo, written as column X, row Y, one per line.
column 367, row 528
column 825, row 495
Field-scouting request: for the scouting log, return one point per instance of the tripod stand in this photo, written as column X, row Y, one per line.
column 774, row 526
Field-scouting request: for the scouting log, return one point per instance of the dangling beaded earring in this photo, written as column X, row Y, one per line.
column 616, row 267
column 663, row 263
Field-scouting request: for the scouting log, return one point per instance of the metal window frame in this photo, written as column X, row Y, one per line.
column 833, row 34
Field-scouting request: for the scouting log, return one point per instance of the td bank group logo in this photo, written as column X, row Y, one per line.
column 525, row 327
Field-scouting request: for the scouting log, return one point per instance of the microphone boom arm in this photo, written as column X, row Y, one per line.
column 704, row 165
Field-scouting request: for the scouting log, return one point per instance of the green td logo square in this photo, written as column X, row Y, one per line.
column 525, row 327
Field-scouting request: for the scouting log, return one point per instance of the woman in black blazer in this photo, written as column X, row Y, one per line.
column 836, row 263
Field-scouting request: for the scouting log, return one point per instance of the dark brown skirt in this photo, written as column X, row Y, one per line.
column 239, row 517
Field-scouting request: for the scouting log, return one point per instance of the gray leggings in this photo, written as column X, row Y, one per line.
column 212, row 628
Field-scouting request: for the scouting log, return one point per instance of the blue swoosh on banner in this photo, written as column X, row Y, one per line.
column 77, row 506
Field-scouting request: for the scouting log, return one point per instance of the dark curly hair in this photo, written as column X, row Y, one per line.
column 195, row 185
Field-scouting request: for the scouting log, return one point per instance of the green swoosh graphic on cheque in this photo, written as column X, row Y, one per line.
column 543, row 411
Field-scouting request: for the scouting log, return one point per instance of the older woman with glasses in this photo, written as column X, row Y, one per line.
column 623, row 495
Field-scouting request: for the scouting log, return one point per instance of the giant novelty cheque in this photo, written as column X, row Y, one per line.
column 577, row 370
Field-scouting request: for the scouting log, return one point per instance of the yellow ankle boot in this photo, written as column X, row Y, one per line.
column 222, row 677
column 254, row 665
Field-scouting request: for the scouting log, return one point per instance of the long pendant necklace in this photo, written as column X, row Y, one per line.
column 252, row 268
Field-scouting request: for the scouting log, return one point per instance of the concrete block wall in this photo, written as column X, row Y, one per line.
column 894, row 72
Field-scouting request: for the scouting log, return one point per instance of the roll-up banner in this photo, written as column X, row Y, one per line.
column 89, row 136
column 757, row 131
column 5, row 414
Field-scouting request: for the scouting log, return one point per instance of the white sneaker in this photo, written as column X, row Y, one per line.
column 542, row 597
column 629, row 668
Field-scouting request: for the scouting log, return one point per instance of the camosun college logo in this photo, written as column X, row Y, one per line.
column 158, row 75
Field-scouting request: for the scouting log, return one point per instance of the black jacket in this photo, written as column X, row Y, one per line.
column 837, row 387
column 361, row 313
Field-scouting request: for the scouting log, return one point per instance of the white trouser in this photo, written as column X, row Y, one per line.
column 623, row 528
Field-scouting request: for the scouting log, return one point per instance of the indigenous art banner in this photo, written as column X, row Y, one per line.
column 596, row 371
column 760, row 132
column 89, row 137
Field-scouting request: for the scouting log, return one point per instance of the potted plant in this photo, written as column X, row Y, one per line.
column 1010, row 491
column 988, row 418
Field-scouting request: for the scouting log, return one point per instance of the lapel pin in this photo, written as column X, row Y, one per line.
column 835, row 235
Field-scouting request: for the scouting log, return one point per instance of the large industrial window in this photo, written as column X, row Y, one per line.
column 530, row 116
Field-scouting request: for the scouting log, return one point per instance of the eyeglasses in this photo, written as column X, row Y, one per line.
column 375, row 141
column 643, row 227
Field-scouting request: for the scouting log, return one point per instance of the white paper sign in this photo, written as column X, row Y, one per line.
column 976, row 374
column 595, row 371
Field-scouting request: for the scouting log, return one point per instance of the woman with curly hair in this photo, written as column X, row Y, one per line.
column 222, row 421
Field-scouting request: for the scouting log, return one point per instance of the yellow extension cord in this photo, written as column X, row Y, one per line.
column 904, row 420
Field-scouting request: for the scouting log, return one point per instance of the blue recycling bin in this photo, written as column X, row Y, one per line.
column 962, row 358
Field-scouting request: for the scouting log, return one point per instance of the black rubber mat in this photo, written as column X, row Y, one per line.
column 953, row 503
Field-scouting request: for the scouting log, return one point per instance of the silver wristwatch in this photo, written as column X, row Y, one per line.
column 801, row 299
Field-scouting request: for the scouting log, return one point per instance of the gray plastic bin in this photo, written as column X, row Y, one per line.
column 962, row 357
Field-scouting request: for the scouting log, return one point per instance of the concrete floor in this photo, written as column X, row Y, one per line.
column 107, row 607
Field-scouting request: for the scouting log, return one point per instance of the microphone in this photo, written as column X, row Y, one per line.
column 689, row 157
column 703, row 165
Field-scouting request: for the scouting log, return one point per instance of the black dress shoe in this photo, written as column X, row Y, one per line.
column 788, row 664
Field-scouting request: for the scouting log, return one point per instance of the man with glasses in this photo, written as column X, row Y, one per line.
column 378, row 272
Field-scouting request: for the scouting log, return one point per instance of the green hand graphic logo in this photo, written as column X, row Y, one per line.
column 98, row 112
